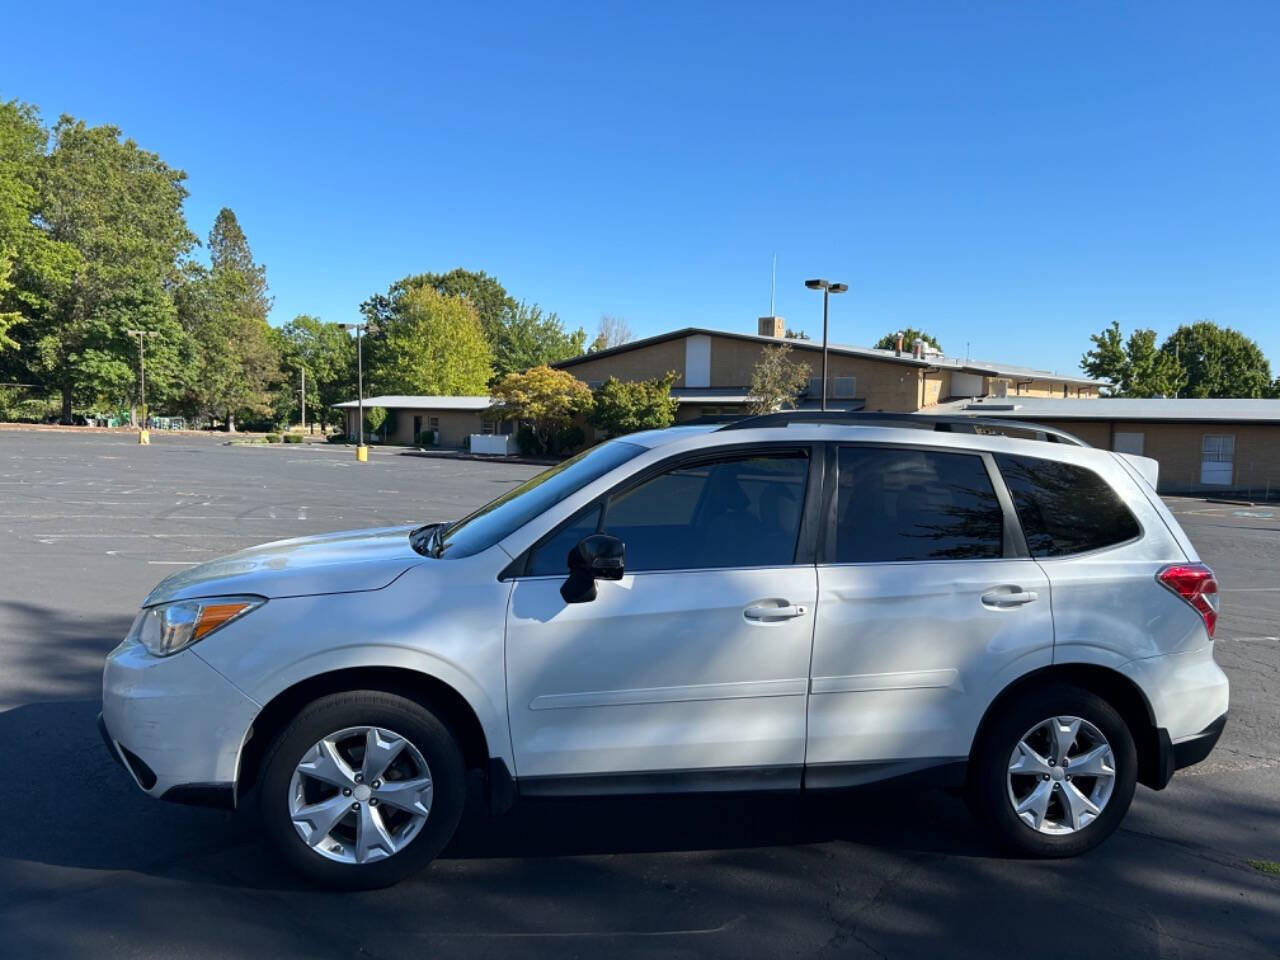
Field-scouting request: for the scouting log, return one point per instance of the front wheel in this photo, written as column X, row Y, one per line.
column 1055, row 772
column 362, row 789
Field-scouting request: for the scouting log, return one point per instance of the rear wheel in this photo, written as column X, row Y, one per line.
column 1055, row 772
column 362, row 789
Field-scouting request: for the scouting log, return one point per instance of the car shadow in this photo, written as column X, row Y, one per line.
column 94, row 817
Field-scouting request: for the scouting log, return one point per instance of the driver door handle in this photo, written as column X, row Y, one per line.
column 772, row 611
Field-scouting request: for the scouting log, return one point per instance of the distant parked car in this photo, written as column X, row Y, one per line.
column 776, row 604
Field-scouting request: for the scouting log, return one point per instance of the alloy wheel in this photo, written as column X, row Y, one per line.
column 1061, row 775
column 360, row 794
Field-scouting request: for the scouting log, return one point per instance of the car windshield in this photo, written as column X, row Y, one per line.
column 503, row 516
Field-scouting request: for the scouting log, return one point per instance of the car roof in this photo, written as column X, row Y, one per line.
column 889, row 430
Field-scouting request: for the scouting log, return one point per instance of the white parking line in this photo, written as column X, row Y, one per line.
column 1248, row 639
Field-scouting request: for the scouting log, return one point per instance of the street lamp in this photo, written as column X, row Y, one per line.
column 362, row 452
column 827, row 289
column 142, row 376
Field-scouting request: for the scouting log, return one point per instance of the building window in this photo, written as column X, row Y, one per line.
column 1128, row 443
column 845, row 388
column 433, row 423
column 1217, row 456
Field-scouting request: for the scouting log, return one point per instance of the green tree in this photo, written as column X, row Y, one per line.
column 431, row 344
column 119, row 208
column 909, row 337
column 374, row 418
column 546, row 400
column 34, row 267
column 224, row 309
column 796, row 334
column 328, row 354
column 1217, row 361
column 528, row 338
column 625, row 406
column 520, row 335
column 1134, row 365
column 487, row 297
column 777, row 379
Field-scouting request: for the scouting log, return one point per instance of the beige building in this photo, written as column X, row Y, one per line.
column 452, row 419
column 713, row 372
column 1205, row 447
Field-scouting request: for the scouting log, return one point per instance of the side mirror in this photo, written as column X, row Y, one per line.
column 597, row 557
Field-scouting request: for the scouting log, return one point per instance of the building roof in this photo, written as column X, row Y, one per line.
column 1116, row 408
column 420, row 403
column 937, row 361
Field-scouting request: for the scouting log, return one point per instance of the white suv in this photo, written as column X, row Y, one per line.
column 783, row 603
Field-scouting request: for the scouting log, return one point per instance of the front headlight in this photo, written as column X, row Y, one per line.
column 169, row 627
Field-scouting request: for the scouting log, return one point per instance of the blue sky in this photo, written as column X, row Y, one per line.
column 1011, row 175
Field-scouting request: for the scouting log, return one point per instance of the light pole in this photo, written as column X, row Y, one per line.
column 827, row 289
column 362, row 452
column 143, row 437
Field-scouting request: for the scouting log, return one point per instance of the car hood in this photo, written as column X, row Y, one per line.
column 347, row 562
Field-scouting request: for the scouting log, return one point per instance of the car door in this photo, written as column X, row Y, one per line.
column 929, row 605
column 691, row 672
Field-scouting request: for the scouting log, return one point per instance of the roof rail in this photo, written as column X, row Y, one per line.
column 917, row 421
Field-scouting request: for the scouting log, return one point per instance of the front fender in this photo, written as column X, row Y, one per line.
column 453, row 634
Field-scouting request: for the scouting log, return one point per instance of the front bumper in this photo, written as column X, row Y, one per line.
column 175, row 724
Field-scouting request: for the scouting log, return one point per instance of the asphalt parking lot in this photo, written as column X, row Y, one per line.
column 91, row 867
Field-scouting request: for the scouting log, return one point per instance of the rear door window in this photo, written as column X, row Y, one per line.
column 1065, row 509
column 902, row 505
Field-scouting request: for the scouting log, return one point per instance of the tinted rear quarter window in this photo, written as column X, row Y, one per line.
column 905, row 505
column 1065, row 509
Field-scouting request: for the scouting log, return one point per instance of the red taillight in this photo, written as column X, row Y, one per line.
column 1196, row 584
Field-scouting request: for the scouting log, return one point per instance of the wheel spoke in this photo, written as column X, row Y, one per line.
column 1029, row 762
column 372, row 837
column 323, row 762
column 1034, row 805
column 412, row 796
column 381, row 748
column 320, row 818
column 1065, row 732
column 1080, row 809
column 1097, row 762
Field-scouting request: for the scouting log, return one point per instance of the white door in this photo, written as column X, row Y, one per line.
column 1217, row 456
column 923, row 616
column 690, row 671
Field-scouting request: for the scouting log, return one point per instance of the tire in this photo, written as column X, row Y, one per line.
column 403, row 725
column 1065, row 829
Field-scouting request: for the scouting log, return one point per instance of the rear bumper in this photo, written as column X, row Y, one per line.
column 1186, row 752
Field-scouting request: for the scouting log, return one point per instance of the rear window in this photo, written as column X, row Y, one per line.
column 1065, row 509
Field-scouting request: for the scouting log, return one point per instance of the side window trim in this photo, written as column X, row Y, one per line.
column 1013, row 545
column 810, row 519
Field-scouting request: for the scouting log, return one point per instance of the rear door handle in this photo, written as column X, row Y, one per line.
column 1009, row 597
column 772, row 611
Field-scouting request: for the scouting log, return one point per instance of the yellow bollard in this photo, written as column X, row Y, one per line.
column 144, row 436
column 362, row 453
